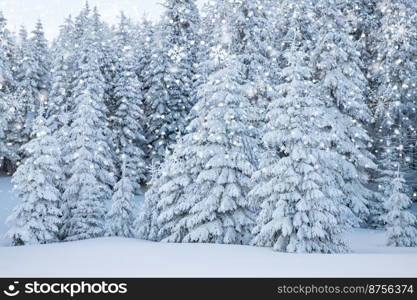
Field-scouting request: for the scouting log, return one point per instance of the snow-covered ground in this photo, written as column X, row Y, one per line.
column 118, row 257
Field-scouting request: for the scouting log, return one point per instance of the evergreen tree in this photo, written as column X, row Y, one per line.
column 6, row 58
column 168, row 100
column 166, row 191
column 42, row 57
column 63, row 45
column 38, row 218
column 91, row 168
column 58, row 108
column 32, row 84
column 303, row 208
column 145, row 224
column 107, row 60
column 363, row 20
column 252, row 36
column 253, row 42
column 338, row 71
column 119, row 221
column 207, row 201
column 129, row 119
column 394, row 91
column 143, row 41
column 7, row 86
column 401, row 223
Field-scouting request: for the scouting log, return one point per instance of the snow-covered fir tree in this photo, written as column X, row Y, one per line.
column 395, row 213
column 107, row 59
column 167, row 188
column 143, row 42
column 43, row 59
column 129, row 119
column 32, row 84
column 401, row 223
column 363, row 21
column 253, row 42
column 58, row 108
column 303, row 208
column 26, row 94
column 394, row 90
column 253, row 37
column 7, row 86
column 301, row 204
column 145, row 223
column 339, row 72
column 173, row 60
column 395, row 74
column 6, row 57
column 119, row 220
column 208, row 201
column 91, row 173
column 37, row 220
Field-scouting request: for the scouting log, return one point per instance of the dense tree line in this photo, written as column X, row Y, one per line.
column 272, row 123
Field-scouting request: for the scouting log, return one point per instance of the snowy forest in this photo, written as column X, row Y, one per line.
column 272, row 123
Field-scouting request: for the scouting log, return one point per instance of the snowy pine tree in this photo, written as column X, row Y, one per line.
column 6, row 58
column 32, row 84
column 119, row 220
column 401, row 223
column 43, row 59
column 207, row 202
column 395, row 73
column 339, row 72
column 129, row 120
column 303, row 208
column 7, row 86
column 91, row 166
column 145, row 224
column 37, row 219
column 394, row 90
column 167, row 189
column 168, row 100
column 58, row 106
column 143, row 41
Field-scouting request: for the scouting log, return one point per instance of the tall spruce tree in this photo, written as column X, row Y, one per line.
column 129, row 119
column 338, row 70
column 42, row 57
column 119, row 221
column 91, row 170
column 32, row 85
column 37, row 219
column 205, row 198
column 7, row 86
column 168, row 100
column 303, row 208
column 129, row 140
column 394, row 91
column 168, row 181
column 401, row 223
column 26, row 94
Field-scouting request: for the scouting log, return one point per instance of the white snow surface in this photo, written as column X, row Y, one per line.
column 119, row 257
